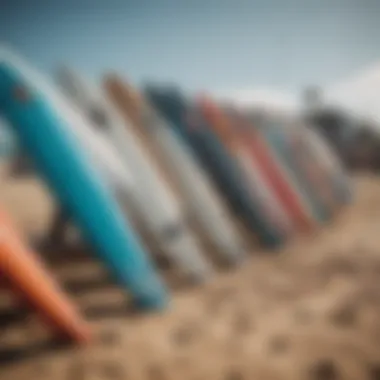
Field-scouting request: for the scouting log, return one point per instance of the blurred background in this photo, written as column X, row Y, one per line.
column 223, row 46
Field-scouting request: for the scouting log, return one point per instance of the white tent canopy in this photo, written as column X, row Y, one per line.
column 359, row 95
column 265, row 99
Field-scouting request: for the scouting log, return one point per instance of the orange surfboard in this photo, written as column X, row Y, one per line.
column 26, row 273
column 259, row 152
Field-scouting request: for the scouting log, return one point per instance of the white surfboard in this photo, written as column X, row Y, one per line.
column 331, row 162
column 263, row 192
column 155, row 201
column 95, row 146
column 196, row 188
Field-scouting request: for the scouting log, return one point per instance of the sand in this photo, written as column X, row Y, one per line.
column 310, row 311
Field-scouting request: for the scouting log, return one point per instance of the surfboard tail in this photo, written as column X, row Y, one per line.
column 27, row 274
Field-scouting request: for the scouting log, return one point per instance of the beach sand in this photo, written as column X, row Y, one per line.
column 309, row 311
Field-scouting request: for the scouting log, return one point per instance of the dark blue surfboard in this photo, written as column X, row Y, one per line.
column 187, row 121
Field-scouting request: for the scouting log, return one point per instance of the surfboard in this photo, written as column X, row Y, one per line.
column 186, row 120
column 8, row 142
column 27, row 274
column 99, row 150
column 342, row 186
column 258, row 129
column 311, row 165
column 224, row 125
column 277, row 138
column 179, row 161
column 76, row 183
column 156, row 202
column 275, row 175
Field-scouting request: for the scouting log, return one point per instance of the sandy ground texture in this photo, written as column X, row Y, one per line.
column 310, row 311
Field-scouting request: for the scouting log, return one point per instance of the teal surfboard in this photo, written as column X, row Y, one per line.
column 78, row 186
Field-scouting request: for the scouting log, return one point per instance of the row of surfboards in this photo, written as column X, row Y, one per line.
column 116, row 158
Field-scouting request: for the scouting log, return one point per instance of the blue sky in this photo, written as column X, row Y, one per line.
column 201, row 44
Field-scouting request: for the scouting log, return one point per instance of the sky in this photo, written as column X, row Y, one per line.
column 215, row 45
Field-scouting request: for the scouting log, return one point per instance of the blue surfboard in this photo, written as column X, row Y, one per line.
column 78, row 186
column 188, row 123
